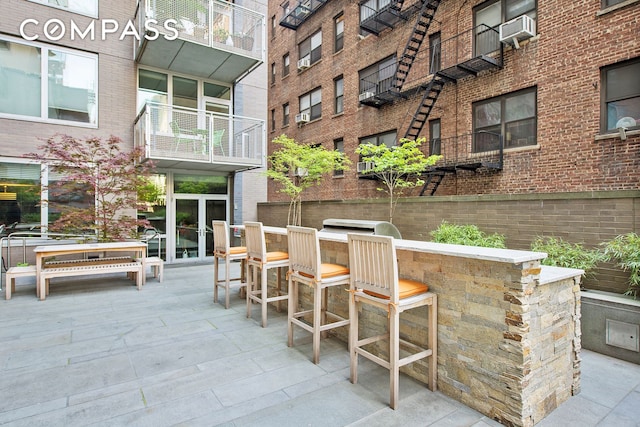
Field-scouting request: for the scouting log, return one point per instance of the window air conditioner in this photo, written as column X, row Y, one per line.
column 304, row 63
column 363, row 167
column 518, row 29
column 302, row 118
column 365, row 95
column 300, row 172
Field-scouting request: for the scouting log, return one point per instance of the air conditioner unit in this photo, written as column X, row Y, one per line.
column 363, row 167
column 304, row 63
column 302, row 118
column 365, row 95
column 300, row 172
column 518, row 29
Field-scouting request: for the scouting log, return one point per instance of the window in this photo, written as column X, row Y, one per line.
column 285, row 65
column 311, row 48
column 434, row 137
column 285, row 114
column 378, row 77
column 273, row 26
column 434, row 53
column 68, row 93
column 273, row 73
column 621, row 96
column 338, row 25
column 84, row 7
column 513, row 116
column 387, row 138
column 273, row 120
column 608, row 3
column 338, row 84
column 338, row 145
column 492, row 14
column 311, row 103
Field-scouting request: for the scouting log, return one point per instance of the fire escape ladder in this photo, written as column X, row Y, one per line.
column 431, row 93
column 419, row 33
column 431, row 182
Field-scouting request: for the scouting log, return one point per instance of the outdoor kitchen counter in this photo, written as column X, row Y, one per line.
column 508, row 328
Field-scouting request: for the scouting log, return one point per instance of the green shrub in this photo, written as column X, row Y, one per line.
column 468, row 235
column 625, row 250
column 565, row 254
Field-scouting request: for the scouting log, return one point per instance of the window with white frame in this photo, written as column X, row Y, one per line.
column 513, row 116
column 338, row 25
column 338, row 84
column 621, row 96
column 311, row 48
column 68, row 93
column 285, row 114
column 84, row 7
column 311, row 103
column 489, row 15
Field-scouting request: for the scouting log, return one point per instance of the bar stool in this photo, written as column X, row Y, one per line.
column 305, row 266
column 259, row 258
column 374, row 280
column 222, row 250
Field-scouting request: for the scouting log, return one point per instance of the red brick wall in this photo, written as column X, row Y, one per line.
column 563, row 62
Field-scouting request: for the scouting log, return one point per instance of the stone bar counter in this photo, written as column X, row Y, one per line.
column 508, row 328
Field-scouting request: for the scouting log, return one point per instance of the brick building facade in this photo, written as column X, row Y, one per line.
column 556, row 100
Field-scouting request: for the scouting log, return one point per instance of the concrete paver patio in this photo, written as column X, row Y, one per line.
column 98, row 352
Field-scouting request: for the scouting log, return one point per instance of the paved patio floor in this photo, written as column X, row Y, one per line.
column 99, row 352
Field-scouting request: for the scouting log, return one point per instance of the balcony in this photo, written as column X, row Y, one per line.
column 469, row 152
column 376, row 16
column 185, row 138
column 301, row 12
column 206, row 38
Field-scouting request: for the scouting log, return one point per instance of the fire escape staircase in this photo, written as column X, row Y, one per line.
column 431, row 92
column 419, row 33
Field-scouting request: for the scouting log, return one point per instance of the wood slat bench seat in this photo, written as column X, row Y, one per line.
column 86, row 267
column 14, row 272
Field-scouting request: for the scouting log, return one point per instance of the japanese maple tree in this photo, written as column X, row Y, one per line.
column 100, row 170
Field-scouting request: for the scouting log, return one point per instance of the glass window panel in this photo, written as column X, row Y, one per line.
column 72, row 87
column 388, row 139
column 316, row 40
column 217, row 91
column 487, row 114
column 316, row 97
column 520, row 133
column 185, row 92
column 487, row 141
column 623, row 82
column 339, row 87
column 515, row 8
column 153, row 81
column 200, row 184
column 19, row 193
column 520, row 106
column 490, row 15
column 305, row 102
column 20, row 79
column 623, row 113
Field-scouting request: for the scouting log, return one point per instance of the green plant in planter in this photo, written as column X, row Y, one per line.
column 468, row 235
column 561, row 253
column 220, row 35
column 625, row 251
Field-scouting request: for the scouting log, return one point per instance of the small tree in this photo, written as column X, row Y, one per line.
column 297, row 167
column 397, row 167
column 105, row 174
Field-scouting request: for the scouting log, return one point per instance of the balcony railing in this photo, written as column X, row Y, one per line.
column 175, row 134
column 469, row 151
column 201, row 24
column 303, row 10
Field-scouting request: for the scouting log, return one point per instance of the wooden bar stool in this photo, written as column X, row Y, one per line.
column 222, row 250
column 374, row 280
column 305, row 266
column 259, row 259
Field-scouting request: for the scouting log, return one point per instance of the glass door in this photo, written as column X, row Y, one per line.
column 193, row 233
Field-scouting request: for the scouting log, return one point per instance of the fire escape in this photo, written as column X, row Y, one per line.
column 464, row 55
column 293, row 18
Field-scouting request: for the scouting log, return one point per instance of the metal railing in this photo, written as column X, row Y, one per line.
column 169, row 132
column 214, row 23
column 472, row 150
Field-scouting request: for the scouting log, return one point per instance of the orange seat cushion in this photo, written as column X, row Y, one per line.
column 277, row 256
column 407, row 288
column 333, row 270
column 237, row 250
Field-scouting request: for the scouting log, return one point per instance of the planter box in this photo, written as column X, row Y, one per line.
column 243, row 42
column 610, row 324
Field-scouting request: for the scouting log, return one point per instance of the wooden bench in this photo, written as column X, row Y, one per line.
column 14, row 272
column 81, row 267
